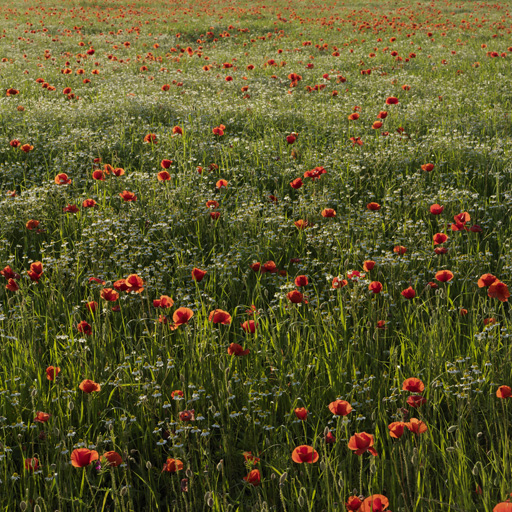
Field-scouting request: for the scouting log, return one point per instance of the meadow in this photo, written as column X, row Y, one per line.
column 255, row 256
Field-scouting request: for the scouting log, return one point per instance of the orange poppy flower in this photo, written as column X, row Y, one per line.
column 504, row 506
column 413, row 385
column 305, row 453
column 498, row 290
column 15, row 143
column 82, row 457
column 338, row 283
column 26, row 148
column 134, row 283
column 109, row 294
column 340, row 408
column 399, row 249
column 11, row 91
column 353, row 504
column 118, row 171
column 504, row 392
column 62, row 179
column 374, row 503
column 376, row 125
column 254, row 477
column 113, row 458
column 165, row 164
column 177, row 131
column 198, row 274
column 296, row 183
column 353, row 117
column 416, row 426
column 328, row 212
column 486, row 280
column 396, row 429
column 182, row 316
column 359, row 443
column 12, row 285
column 221, row 183
column 98, row 175
column 249, row 326
column 89, row 386
column 163, row 176
column 444, row 276
column 172, row 465
column 163, row 302
column 219, row 316
column 52, row 372
column 235, row 349
column 301, row 224
column 151, row 138
column 89, row 203
column 427, row 167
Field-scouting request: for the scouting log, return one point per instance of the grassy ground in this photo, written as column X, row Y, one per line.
column 85, row 84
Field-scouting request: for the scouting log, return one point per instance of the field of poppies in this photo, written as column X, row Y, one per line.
column 255, row 256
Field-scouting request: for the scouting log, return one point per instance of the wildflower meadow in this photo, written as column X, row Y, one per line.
column 255, row 256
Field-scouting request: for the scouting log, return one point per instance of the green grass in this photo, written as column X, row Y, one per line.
column 455, row 115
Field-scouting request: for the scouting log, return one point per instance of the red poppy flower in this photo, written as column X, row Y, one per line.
column 255, row 266
column 381, row 324
column 354, row 275
column 198, row 274
column 296, row 183
column 52, row 372
column 489, row 321
column 374, row 503
column 235, row 349
column 177, row 393
column 301, row 413
column 444, row 276
column 462, row 218
column 218, row 316
column 12, row 285
column 359, row 443
column 305, row 453
column 187, row 415
column 177, row 131
column 249, row 326
column 301, row 281
column 353, row 117
column 375, row 287
column 214, row 215
column 254, row 477
column 134, row 283
column 128, row 196
column 89, row 386
column 151, row 138
column 338, row 283
column 408, row 293
column 11, row 91
column 295, row 297
column 182, row 316
column 92, row 306
column 269, row 266
column 368, row 265
column 427, row 167
column 353, row 504
column 301, row 224
column 498, row 290
column 118, row 171
column 504, row 506
column 32, row 224
column 218, row 131
column 486, row 280
column 315, row 173
column 82, row 457
column 212, row 204
column 356, row 141
column 26, row 148
column 89, row 203
column 291, row 138
column 42, row 417
column 382, row 114
column 416, row 400
column 62, row 179
column 32, row 464
column 396, row 429
column 340, row 408
column 15, row 143
column 172, row 465
column 436, row 209
column 163, row 176
column 84, row 328
column 221, row 183
column 36, row 267
column 328, row 213
column 70, row 208
column 373, row 207
column 391, row 100
column 376, row 125
column 504, row 392
column 113, row 459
